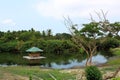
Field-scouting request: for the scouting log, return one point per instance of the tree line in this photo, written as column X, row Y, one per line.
column 19, row 41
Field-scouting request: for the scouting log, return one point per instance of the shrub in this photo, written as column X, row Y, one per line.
column 93, row 73
column 110, row 43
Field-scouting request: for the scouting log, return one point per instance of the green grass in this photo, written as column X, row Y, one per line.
column 118, row 78
column 45, row 74
column 115, row 51
column 114, row 61
column 37, row 73
column 110, row 68
column 1, row 74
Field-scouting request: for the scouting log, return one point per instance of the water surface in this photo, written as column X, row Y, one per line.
column 51, row 61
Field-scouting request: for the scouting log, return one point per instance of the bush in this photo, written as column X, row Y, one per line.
column 110, row 43
column 93, row 73
column 8, row 46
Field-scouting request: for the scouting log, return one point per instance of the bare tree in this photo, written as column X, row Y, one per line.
column 84, row 41
column 87, row 37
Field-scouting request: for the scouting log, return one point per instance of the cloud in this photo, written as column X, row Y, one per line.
column 9, row 22
column 76, row 8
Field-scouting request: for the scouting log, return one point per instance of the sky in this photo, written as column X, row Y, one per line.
column 41, row 15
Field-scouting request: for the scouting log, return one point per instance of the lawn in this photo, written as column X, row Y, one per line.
column 38, row 73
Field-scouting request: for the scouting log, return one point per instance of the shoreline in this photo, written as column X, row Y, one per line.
column 43, row 67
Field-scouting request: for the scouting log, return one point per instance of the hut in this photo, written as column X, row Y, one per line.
column 34, row 52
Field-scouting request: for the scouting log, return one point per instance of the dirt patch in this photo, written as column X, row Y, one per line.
column 9, row 76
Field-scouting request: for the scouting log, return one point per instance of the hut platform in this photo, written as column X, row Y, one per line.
column 28, row 57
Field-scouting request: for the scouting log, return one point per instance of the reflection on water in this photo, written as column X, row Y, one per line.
column 98, row 59
column 52, row 61
column 5, row 65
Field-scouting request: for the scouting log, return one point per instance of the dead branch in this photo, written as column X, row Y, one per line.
column 114, row 74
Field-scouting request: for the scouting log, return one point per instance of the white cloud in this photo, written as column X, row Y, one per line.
column 8, row 22
column 76, row 8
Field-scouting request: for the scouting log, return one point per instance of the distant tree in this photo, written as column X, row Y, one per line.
column 115, row 29
column 37, row 34
column 25, row 36
column 63, row 36
column 1, row 34
column 49, row 32
column 8, row 37
column 32, row 30
column 19, row 45
column 43, row 34
column 91, row 30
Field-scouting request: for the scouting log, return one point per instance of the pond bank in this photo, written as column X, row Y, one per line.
column 24, row 72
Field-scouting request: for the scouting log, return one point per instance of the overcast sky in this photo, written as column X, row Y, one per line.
column 48, row 14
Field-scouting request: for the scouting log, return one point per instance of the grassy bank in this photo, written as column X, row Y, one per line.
column 116, row 59
column 116, row 51
column 37, row 72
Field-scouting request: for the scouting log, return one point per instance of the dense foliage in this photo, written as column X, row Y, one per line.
column 19, row 41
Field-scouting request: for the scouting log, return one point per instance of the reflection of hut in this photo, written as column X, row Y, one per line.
column 34, row 52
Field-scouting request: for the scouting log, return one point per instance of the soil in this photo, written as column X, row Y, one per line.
column 9, row 76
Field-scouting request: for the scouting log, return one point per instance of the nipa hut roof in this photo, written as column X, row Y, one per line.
column 34, row 49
